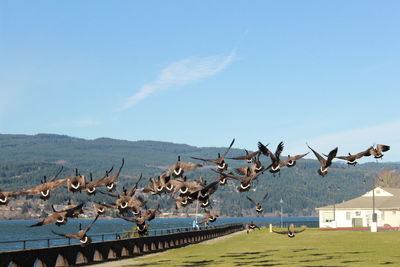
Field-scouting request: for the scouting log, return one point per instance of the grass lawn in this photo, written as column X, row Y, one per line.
column 310, row 248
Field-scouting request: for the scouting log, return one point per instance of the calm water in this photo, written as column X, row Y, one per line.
column 14, row 230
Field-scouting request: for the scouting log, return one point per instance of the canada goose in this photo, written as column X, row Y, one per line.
column 127, row 201
column 81, row 235
column 275, row 164
column 179, row 167
column 163, row 183
column 204, row 193
column 60, row 217
column 251, row 226
column 205, row 203
column 377, row 152
column 352, row 159
column 74, row 214
column 249, row 157
column 100, row 208
column 109, row 182
column 325, row 163
column 258, row 206
column 245, row 181
column 154, row 188
column 182, row 201
column 5, row 197
column 90, row 187
column 290, row 231
column 185, row 187
column 291, row 160
column 255, row 168
column 136, row 203
column 222, row 179
column 76, row 183
column 147, row 215
column 208, row 217
column 44, row 189
column 220, row 161
column 142, row 230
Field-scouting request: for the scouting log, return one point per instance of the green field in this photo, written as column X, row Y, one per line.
column 310, row 248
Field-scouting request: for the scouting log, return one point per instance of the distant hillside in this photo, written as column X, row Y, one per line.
column 25, row 159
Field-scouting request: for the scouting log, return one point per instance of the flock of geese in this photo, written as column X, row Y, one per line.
column 132, row 207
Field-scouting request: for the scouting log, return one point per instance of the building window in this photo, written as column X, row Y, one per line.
column 358, row 213
column 348, row 215
column 327, row 216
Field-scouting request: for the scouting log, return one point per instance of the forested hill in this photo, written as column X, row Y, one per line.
column 25, row 159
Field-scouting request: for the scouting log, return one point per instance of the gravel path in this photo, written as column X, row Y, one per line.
column 137, row 260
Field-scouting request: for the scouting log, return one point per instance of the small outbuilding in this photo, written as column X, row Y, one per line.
column 357, row 212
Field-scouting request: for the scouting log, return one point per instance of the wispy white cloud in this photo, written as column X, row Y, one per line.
column 356, row 140
column 179, row 73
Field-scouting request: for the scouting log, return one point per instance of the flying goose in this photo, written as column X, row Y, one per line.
column 182, row 201
column 220, row 161
column 81, row 235
column 163, row 184
column 126, row 202
column 377, row 152
column 109, row 182
column 255, row 168
column 74, row 214
column 325, row 163
column 291, row 160
column 249, row 157
column 352, row 159
column 59, row 217
column 204, row 193
column 185, row 187
column 275, row 164
column 90, row 187
column 180, row 167
column 251, row 226
column 147, row 215
column 222, row 179
column 5, row 197
column 208, row 217
column 290, row 231
column 100, row 208
column 76, row 183
column 245, row 181
column 44, row 188
column 154, row 188
column 258, row 206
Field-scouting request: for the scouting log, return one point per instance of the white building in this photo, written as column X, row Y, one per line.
column 357, row 212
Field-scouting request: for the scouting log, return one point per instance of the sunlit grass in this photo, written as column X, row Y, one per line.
column 310, row 248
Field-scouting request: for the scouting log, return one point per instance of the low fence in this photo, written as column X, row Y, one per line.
column 105, row 250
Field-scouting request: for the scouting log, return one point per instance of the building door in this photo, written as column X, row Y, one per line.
column 357, row 222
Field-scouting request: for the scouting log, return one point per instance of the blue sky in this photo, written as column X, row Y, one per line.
column 203, row 72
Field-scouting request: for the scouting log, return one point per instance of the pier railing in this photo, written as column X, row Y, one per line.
column 101, row 249
column 11, row 245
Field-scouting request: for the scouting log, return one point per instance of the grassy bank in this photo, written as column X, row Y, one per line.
column 310, row 248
